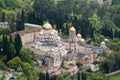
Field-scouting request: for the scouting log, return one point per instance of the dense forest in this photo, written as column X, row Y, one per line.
column 88, row 17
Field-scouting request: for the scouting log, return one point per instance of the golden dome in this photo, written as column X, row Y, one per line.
column 47, row 26
column 54, row 31
column 79, row 36
column 58, row 38
column 72, row 29
column 52, row 50
column 102, row 43
column 82, row 40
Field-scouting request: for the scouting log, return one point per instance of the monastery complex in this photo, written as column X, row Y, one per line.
column 53, row 53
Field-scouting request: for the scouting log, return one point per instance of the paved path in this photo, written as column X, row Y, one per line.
column 112, row 73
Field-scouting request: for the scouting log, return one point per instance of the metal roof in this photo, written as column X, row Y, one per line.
column 32, row 25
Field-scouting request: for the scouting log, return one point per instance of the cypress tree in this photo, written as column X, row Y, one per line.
column 116, row 34
column 85, row 76
column 78, row 75
column 22, row 19
column 18, row 23
column 3, row 44
column 11, row 48
column 10, row 37
column 47, row 76
column 12, row 25
column 11, row 52
column 18, row 44
column 41, row 76
column 3, row 17
column 5, row 47
column 82, row 76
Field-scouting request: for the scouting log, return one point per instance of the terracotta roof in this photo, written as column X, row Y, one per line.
column 23, row 32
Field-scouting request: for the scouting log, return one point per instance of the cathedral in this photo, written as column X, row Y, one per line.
column 49, row 40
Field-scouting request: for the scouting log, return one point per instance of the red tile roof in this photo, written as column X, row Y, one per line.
column 21, row 33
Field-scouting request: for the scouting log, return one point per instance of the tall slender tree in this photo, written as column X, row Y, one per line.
column 18, row 43
column 22, row 19
column 12, row 25
column 47, row 76
column 82, row 76
column 41, row 76
column 3, row 17
column 18, row 23
column 78, row 75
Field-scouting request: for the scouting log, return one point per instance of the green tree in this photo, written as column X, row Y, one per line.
column 41, row 76
column 47, row 76
column 101, row 38
column 97, row 76
column 3, row 65
column 95, row 22
column 11, row 51
column 12, row 25
column 15, row 63
column 5, row 44
column 78, row 75
column 2, row 4
column 82, row 76
column 27, row 68
column 29, row 71
column 108, row 28
column 116, row 2
column 3, row 17
column 22, row 19
column 18, row 43
column 111, row 63
column 19, row 23
column 26, row 55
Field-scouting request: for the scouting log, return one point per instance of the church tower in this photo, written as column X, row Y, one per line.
column 72, row 40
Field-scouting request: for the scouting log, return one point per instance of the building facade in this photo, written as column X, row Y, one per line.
column 4, row 25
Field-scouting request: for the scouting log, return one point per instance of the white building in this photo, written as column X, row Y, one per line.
column 4, row 25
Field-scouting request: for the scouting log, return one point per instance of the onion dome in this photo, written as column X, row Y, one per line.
column 52, row 50
column 79, row 36
column 72, row 29
column 58, row 38
column 102, row 43
column 47, row 26
column 106, row 40
column 54, row 31
column 82, row 40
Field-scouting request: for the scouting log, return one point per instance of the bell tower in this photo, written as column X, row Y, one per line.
column 72, row 40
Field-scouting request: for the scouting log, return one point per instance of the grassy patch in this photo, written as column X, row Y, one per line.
column 115, row 77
